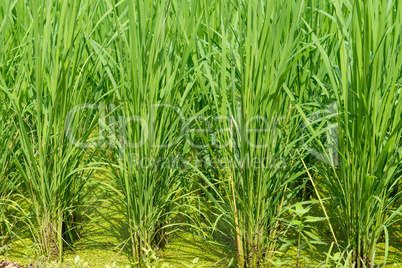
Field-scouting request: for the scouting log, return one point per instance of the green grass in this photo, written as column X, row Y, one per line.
column 364, row 71
column 105, row 232
column 91, row 86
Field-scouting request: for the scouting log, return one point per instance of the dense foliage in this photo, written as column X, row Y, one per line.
column 219, row 117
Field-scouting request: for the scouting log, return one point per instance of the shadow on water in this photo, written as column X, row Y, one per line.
column 184, row 248
column 105, row 231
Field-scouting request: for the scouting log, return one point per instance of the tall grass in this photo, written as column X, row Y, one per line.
column 43, row 96
column 256, row 49
column 362, row 73
column 150, row 109
column 256, row 74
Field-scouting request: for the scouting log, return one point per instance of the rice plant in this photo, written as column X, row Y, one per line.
column 256, row 54
column 43, row 97
column 150, row 109
column 362, row 74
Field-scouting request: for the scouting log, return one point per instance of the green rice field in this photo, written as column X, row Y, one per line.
column 195, row 133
